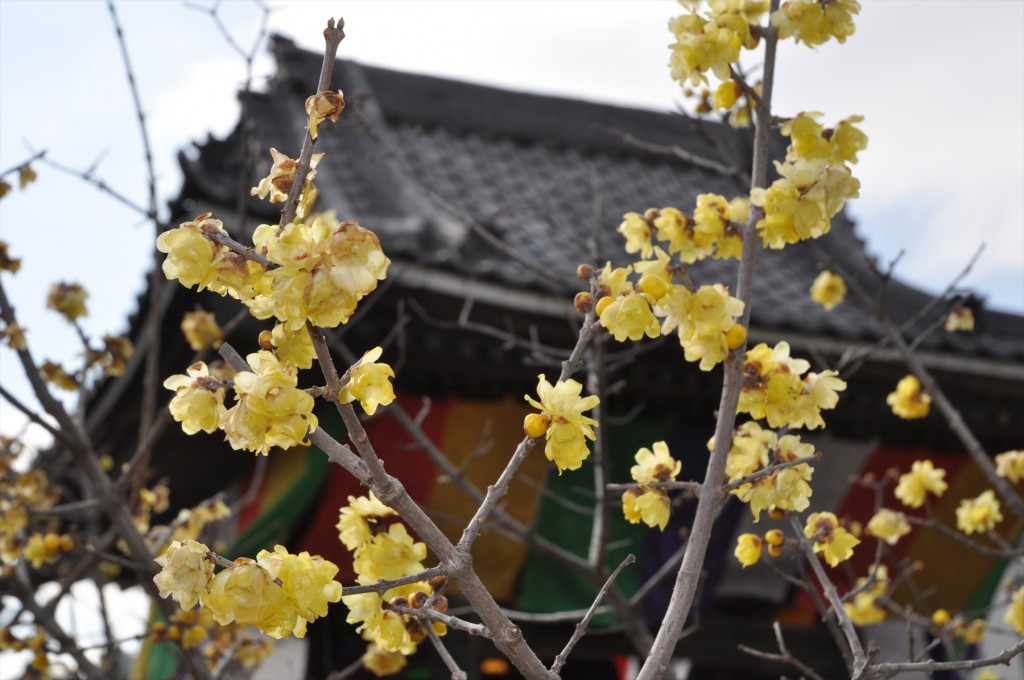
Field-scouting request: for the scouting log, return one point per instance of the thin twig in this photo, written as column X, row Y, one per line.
column 784, row 656
column 581, row 627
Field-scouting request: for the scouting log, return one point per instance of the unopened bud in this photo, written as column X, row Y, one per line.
column 776, row 550
column 941, row 618
column 775, row 537
column 776, row 513
column 736, row 336
column 399, row 601
column 535, row 425
column 438, row 582
column 440, row 604
column 583, row 302
column 651, row 214
column 584, row 272
column 266, row 340
column 418, row 599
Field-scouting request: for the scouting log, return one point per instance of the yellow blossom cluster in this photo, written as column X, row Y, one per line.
column 198, row 401
column 197, row 629
column 1015, row 612
column 828, row 290
column 275, row 186
column 978, row 515
column 562, row 422
column 645, row 502
column 923, row 478
column 833, row 541
column 748, row 549
column 786, row 489
column 36, row 644
column 815, row 22
column 385, row 552
column 714, row 230
column 815, row 180
column 23, row 494
column 278, row 592
column 14, row 335
column 704, row 319
column 196, row 258
column 773, row 389
column 713, row 42
column 269, row 409
column 43, row 549
column 369, row 383
column 294, row 347
column 960, row 319
column 909, row 401
column 863, row 610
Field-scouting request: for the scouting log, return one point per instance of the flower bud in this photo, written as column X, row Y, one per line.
column 941, row 618
column 418, row 599
column 736, row 336
column 776, row 550
column 440, row 604
column 584, row 272
column 583, row 302
column 775, row 537
column 535, row 425
column 266, row 340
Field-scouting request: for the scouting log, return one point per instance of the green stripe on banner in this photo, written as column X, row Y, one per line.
column 546, row 585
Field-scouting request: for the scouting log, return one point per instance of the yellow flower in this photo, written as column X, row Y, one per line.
column 748, row 549
column 307, row 580
column 702, row 45
column 960, row 319
column 658, row 466
column 908, row 401
column 683, row 240
column 888, row 525
column 864, row 610
column 1015, row 612
column 15, row 336
column 712, row 313
column 198, row 402
column 637, row 232
column 1010, row 464
column 651, row 506
column 774, row 390
column 726, row 95
column 830, row 539
column 117, row 350
column 814, row 23
column 185, row 572
column 390, row 555
column 922, row 479
column 245, row 593
column 322, row 272
column 384, row 628
column 750, row 448
column 973, row 632
column 358, row 519
column 369, row 383
column 201, row 330
column 56, row 374
column 828, row 290
column 291, row 346
column 323, row 106
column 979, row 514
column 8, row 263
column 381, row 662
column 270, row 410
column 68, row 299
column 713, row 220
column 630, row 316
column 563, row 406
column 279, row 182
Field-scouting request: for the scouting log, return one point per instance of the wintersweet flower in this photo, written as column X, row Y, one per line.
column 14, row 334
column 651, row 506
column 828, row 290
column 269, row 409
column 245, row 593
column 751, row 446
column 358, row 520
column 390, row 554
column 682, row 237
column 322, row 272
column 563, row 406
column 185, row 572
column 324, row 106
column 712, row 312
column 279, row 181
column 922, row 479
column 8, row 263
column 748, row 549
column 381, row 662
column 908, row 401
column 656, row 466
column 307, row 580
column 726, row 95
column 198, row 402
column 1010, row 464
column 195, row 260
column 830, row 539
column 774, row 390
column 979, row 514
column 68, row 299
column 701, row 46
column 815, row 23
column 291, row 346
column 385, row 628
column 637, row 232
column 1015, row 612
column 960, row 319
column 630, row 316
column 201, row 330
column 864, row 609
column 888, row 525
column 369, row 383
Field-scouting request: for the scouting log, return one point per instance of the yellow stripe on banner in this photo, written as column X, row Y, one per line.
column 479, row 438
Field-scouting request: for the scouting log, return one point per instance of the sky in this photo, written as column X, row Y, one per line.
column 940, row 83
